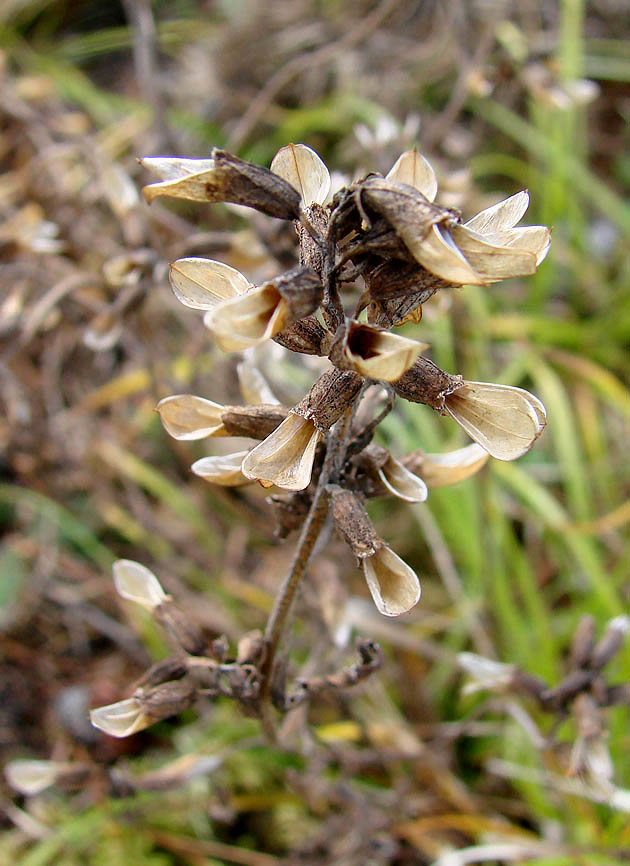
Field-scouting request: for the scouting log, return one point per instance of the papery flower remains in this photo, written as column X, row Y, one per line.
column 367, row 261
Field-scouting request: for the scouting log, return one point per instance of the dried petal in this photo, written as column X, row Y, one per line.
column 394, row 585
column 504, row 420
column 536, row 239
column 501, row 216
column 187, row 417
column 401, row 482
column 137, row 583
column 32, row 777
column 304, row 170
column 224, row 470
column 440, row 470
column 203, row 283
column 285, row 458
column 414, row 170
column 121, row 719
column 253, row 385
column 490, row 261
column 249, row 319
column 375, row 353
column 181, row 178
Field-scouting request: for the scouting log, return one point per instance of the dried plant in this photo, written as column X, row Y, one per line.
column 368, row 260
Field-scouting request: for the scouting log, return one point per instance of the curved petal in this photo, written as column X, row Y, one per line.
column 249, row 319
column 490, row 261
column 300, row 166
column 438, row 253
column 401, row 482
column 187, row 417
column 503, row 215
column 394, row 586
column 224, row 470
column 137, row 583
column 440, row 470
column 203, row 283
column 504, row 420
column 120, row 719
column 414, row 170
column 285, row 458
column 192, row 187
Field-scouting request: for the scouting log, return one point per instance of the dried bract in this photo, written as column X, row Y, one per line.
column 204, row 283
column 373, row 353
column 137, row 583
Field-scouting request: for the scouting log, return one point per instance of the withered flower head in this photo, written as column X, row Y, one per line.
column 372, row 352
column 487, row 248
column 262, row 312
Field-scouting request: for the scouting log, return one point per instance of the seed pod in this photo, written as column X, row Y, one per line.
column 396, row 291
column 289, row 512
column 261, row 313
column 373, row 353
column 329, row 397
column 424, row 382
column 180, row 629
column 610, row 643
column 255, row 422
column 308, row 337
column 354, row 524
column 171, row 668
column 167, row 699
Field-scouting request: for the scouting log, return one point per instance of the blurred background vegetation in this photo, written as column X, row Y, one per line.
column 499, row 96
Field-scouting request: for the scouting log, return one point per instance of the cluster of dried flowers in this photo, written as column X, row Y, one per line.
column 368, row 260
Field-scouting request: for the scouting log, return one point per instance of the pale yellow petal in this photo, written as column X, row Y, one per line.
column 285, row 458
column 192, row 187
column 401, row 482
column 503, row 215
column 224, row 470
column 120, row 719
column 300, row 166
column 137, row 583
column 187, row 417
column 440, row 470
column 438, row 253
column 203, row 283
column 249, row 319
column 493, row 262
column 414, row 170
column 394, row 586
column 504, row 420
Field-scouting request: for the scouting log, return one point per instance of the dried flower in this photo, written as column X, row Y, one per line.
column 285, row 458
column 121, row 719
column 440, row 470
column 186, row 417
column 33, row 777
column 300, row 166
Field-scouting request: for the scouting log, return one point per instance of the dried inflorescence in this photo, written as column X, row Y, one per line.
column 368, row 259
